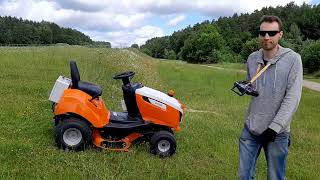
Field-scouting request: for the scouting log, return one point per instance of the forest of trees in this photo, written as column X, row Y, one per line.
column 19, row 31
column 232, row 39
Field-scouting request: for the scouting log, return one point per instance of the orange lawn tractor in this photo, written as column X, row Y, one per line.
column 82, row 119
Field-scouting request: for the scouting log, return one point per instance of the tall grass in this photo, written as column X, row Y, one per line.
column 207, row 145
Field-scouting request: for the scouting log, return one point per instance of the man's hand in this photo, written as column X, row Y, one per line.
column 244, row 82
column 269, row 135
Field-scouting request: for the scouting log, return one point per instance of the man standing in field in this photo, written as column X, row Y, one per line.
column 267, row 121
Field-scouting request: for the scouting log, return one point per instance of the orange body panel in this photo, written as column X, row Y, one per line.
column 80, row 103
column 149, row 112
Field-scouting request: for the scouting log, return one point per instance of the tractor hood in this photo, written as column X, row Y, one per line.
column 161, row 97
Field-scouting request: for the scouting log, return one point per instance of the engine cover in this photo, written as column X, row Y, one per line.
column 159, row 98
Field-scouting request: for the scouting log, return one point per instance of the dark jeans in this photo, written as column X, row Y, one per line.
column 275, row 152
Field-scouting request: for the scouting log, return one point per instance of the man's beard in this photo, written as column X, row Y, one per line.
column 268, row 45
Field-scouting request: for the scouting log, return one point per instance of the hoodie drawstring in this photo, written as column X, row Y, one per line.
column 275, row 77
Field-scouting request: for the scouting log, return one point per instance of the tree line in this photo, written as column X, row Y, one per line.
column 232, row 39
column 18, row 31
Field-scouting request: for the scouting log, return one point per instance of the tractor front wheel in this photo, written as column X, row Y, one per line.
column 163, row 143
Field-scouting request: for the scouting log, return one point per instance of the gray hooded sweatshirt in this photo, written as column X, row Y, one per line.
column 279, row 90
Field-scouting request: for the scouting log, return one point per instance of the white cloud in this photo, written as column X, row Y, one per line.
column 165, row 7
column 51, row 11
column 125, row 38
column 176, row 20
column 229, row 7
column 124, row 6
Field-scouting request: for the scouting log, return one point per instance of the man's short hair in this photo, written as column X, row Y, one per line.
column 270, row 19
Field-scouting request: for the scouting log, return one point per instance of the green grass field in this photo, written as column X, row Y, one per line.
column 207, row 145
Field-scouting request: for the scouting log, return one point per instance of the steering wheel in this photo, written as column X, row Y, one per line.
column 127, row 74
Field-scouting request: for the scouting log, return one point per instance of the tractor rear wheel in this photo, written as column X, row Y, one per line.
column 73, row 134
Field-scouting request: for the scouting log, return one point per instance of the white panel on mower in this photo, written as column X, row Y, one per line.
column 161, row 97
column 62, row 83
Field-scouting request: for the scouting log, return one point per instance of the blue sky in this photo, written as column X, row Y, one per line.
column 124, row 22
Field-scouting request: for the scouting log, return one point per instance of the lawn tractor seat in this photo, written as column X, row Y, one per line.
column 91, row 89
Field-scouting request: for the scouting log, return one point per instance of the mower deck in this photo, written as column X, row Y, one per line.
column 114, row 145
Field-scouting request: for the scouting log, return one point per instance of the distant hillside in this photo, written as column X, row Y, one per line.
column 19, row 31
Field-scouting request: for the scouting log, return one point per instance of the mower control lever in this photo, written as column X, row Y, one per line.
column 124, row 77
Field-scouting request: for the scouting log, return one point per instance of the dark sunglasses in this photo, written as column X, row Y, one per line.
column 270, row 33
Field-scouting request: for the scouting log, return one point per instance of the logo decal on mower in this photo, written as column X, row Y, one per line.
column 157, row 103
